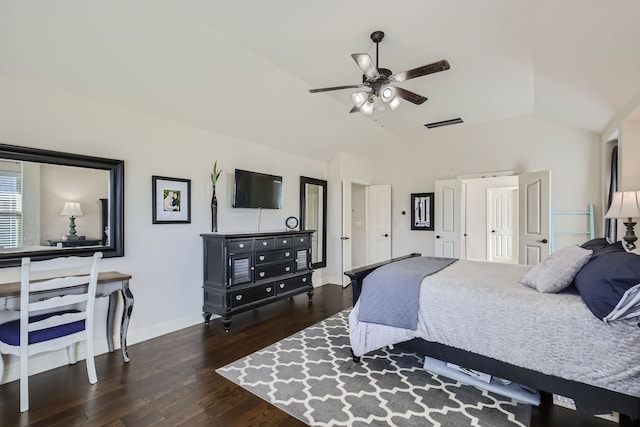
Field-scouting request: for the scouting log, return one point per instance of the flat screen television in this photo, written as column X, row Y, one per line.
column 257, row 190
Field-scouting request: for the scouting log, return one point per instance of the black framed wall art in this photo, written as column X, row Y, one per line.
column 422, row 211
column 171, row 200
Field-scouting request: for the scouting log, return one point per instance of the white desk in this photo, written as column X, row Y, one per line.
column 109, row 283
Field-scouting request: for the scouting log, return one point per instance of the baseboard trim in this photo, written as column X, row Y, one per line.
column 55, row 359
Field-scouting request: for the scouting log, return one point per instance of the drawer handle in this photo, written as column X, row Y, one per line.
column 238, row 297
column 302, row 240
column 264, row 243
column 284, row 242
column 281, row 285
column 261, row 257
column 287, row 254
column 304, row 279
column 269, row 289
column 287, row 269
column 241, row 245
column 262, row 273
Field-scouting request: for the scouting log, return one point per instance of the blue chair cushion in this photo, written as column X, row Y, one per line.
column 10, row 331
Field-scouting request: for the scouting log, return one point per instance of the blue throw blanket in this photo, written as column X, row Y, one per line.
column 391, row 293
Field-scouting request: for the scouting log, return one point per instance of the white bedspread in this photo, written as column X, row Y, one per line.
column 481, row 307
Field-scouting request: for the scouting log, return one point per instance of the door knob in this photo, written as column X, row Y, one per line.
column 542, row 241
column 344, row 238
column 385, row 235
column 437, row 236
column 493, row 231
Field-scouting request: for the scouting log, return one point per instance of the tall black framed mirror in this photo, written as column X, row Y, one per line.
column 313, row 216
column 59, row 204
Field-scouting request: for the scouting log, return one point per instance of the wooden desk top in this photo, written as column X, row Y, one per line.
column 13, row 288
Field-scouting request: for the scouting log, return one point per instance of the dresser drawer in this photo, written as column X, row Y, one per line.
column 268, row 271
column 236, row 246
column 284, row 241
column 265, row 244
column 292, row 284
column 302, row 240
column 251, row 295
column 274, row 256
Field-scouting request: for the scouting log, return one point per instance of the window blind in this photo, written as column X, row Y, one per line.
column 10, row 209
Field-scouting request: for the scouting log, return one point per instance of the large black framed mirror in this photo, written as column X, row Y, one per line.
column 313, row 216
column 59, row 204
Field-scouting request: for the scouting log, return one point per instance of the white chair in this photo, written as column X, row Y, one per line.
column 47, row 319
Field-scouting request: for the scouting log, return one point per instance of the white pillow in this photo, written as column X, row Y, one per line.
column 557, row 271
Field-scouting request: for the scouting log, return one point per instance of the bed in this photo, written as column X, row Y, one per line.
column 491, row 322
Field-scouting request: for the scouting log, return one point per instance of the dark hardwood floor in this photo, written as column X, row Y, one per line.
column 171, row 380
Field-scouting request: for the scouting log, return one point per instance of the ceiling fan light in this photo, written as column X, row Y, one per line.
column 359, row 98
column 394, row 103
column 388, row 94
column 367, row 107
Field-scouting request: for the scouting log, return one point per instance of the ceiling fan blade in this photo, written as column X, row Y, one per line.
column 409, row 96
column 354, row 110
column 366, row 64
column 326, row 89
column 422, row 71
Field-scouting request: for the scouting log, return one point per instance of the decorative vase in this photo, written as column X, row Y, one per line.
column 214, row 211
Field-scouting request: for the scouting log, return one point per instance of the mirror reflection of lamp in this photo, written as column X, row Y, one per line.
column 72, row 210
column 626, row 205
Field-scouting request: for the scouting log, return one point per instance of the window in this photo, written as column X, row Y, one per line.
column 10, row 209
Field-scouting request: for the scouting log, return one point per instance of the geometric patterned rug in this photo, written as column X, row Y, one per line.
column 311, row 376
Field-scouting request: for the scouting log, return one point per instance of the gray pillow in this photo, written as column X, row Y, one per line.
column 557, row 271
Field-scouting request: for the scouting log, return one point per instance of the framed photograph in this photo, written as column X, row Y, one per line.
column 422, row 211
column 171, row 200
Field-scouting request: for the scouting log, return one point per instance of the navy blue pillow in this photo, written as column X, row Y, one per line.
column 603, row 281
column 595, row 244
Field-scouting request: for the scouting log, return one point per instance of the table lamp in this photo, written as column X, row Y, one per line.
column 72, row 210
column 626, row 204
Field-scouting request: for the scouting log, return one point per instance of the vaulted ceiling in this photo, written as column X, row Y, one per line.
column 244, row 68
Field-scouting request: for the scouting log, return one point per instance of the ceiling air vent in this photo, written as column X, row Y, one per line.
column 444, row 123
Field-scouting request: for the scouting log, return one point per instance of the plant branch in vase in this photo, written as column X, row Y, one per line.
column 215, row 174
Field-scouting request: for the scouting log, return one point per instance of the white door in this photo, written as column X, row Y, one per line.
column 378, row 223
column 502, row 216
column 447, row 224
column 346, row 231
column 534, row 216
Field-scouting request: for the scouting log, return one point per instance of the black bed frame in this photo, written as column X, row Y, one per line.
column 586, row 396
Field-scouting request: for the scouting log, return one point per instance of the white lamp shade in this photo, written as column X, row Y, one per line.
column 367, row 107
column 387, row 94
column 625, row 204
column 359, row 98
column 71, row 209
column 394, row 103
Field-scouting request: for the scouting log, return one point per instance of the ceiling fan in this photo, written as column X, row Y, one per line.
column 379, row 82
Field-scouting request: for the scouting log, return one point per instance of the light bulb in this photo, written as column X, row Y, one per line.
column 387, row 94
column 394, row 103
column 367, row 107
column 359, row 98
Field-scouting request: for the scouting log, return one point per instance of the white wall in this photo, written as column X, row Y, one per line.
column 521, row 144
column 629, row 156
column 165, row 260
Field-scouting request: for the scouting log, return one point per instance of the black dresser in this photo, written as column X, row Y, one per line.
column 243, row 271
